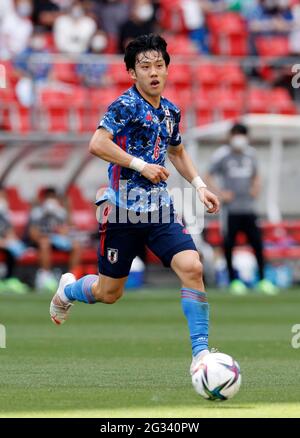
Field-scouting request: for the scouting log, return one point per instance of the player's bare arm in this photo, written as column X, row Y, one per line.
column 103, row 146
column 184, row 165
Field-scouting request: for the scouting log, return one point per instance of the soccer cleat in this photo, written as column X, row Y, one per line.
column 196, row 361
column 266, row 287
column 59, row 309
column 237, row 287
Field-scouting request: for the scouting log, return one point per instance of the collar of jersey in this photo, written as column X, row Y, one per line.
column 139, row 94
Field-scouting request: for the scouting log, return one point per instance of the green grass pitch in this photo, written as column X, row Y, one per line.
column 132, row 359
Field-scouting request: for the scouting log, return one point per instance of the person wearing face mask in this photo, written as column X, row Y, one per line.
column 11, row 247
column 74, row 30
column 234, row 166
column 49, row 229
column 268, row 18
column 16, row 29
column 93, row 74
column 140, row 22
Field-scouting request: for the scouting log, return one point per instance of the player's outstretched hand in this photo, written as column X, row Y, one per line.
column 209, row 200
column 155, row 173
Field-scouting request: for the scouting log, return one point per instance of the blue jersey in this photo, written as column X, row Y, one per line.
column 144, row 132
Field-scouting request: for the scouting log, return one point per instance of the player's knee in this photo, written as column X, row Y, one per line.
column 195, row 270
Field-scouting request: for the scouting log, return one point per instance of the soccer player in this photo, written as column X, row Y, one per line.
column 134, row 135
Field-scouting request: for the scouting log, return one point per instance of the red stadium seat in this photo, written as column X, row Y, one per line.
column 258, row 100
column 83, row 212
column 50, row 43
column 7, row 96
column 233, row 76
column 8, row 108
column 272, row 46
column 228, row 32
column 65, row 72
column 204, row 116
column 61, row 108
column 11, row 75
column 229, row 104
column 170, row 17
column 19, row 209
column 54, row 108
column 119, row 75
column 207, row 76
column 96, row 105
column 281, row 102
column 181, row 45
column 103, row 97
column 179, row 76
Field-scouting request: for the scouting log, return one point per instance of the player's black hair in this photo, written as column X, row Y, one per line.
column 142, row 44
column 239, row 128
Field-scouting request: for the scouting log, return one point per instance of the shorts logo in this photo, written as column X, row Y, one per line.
column 112, row 255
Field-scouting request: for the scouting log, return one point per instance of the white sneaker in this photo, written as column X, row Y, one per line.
column 59, row 308
column 196, row 361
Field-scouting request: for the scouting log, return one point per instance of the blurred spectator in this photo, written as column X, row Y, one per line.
column 111, row 14
column 74, row 30
column 269, row 18
column 93, row 73
column 12, row 248
column 141, row 21
column 235, row 165
column 15, row 30
column 45, row 12
column 295, row 31
column 6, row 7
column 34, row 72
column 194, row 20
column 49, row 228
column 36, row 69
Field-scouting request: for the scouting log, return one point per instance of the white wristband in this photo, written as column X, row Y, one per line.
column 198, row 183
column 137, row 164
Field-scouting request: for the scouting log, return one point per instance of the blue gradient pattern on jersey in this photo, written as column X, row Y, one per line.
column 144, row 132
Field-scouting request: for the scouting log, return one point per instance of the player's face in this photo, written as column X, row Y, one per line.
column 150, row 73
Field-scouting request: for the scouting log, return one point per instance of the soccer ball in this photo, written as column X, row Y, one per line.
column 218, row 377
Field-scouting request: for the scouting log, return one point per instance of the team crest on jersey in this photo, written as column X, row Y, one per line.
column 168, row 120
column 169, row 125
column 112, row 255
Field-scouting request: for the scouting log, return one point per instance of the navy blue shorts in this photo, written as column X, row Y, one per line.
column 120, row 243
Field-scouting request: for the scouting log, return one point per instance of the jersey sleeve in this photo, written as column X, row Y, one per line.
column 176, row 136
column 118, row 115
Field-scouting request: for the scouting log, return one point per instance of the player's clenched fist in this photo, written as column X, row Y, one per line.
column 155, row 173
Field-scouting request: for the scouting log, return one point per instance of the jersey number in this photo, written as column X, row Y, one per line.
column 156, row 149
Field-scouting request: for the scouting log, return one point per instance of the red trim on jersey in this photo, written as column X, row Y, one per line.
column 103, row 230
column 121, row 141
